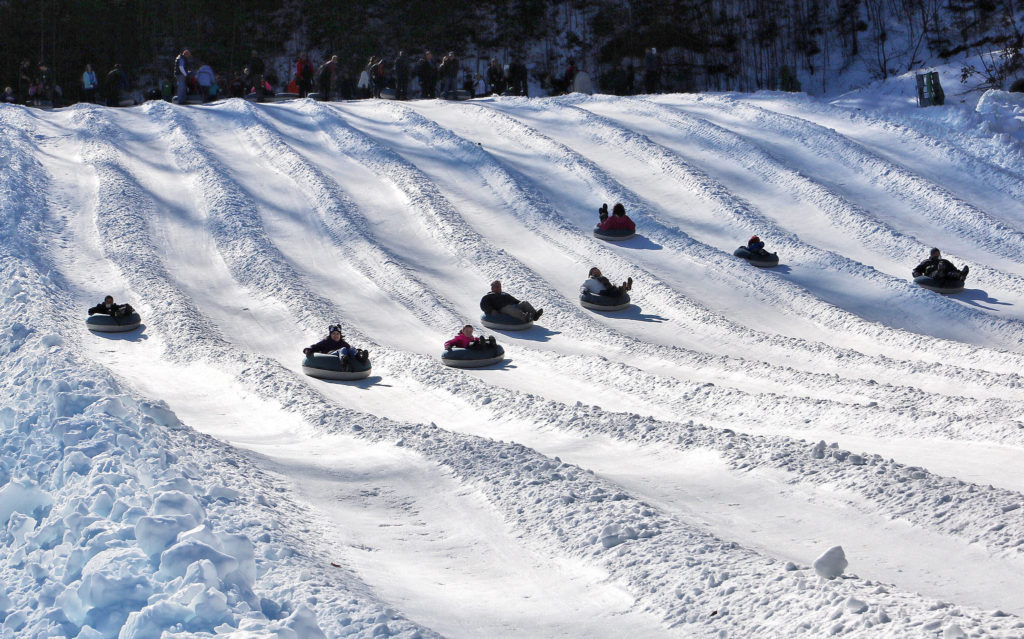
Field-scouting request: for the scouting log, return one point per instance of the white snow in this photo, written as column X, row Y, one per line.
column 693, row 466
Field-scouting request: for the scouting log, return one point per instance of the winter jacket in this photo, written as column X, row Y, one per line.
column 496, row 78
column 494, row 302
column 461, row 340
column 89, row 80
column 256, row 66
column 617, row 222
column 935, row 266
column 327, row 71
column 328, row 345
column 304, row 69
column 114, row 310
column 182, row 66
column 204, row 76
column 596, row 285
column 402, row 68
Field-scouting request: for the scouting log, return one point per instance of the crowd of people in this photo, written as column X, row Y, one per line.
column 401, row 77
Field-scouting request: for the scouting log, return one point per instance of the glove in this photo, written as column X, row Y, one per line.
column 91, row 311
column 307, row 352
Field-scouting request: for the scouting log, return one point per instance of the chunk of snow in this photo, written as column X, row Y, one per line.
column 831, row 564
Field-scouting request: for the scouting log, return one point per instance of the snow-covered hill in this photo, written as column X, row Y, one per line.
column 672, row 470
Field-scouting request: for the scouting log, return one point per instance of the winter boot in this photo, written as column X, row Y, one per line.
column 536, row 316
column 963, row 273
column 629, row 284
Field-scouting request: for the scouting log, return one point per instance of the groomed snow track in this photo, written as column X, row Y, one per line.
column 671, row 470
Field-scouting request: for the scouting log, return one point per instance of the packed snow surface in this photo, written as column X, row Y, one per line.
column 821, row 448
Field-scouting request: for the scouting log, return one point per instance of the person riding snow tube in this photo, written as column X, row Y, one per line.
column 940, row 275
column 599, row 294
column 333, row 358
column 466, row 351
column 502, row 322
column 504, row 312
column 615, row 227
column 755, row 253
column 108, row 317
column 337, row 366
column 604, row 302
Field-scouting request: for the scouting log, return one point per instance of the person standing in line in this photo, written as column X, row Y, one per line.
column 89, row 84
column 182, row 71
column 326, row 76
column 304, row 74
column 116, row 82
column 402, row 68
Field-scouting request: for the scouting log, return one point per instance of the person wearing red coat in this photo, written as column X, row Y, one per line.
column 304, row 73
column 618, row 220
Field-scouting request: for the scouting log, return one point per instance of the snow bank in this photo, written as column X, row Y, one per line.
column 116, row 521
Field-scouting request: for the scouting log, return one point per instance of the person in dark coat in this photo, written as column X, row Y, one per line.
column 426, row 71
column 326, row 76
column 618, row 220
column 380, row 77
column 652, row 71
column 500, row 302
column 256, row 65
column 116, row 82
column 24, row 80
column 518, row 78
column 335, row 343
column 402, row 68
column 940, row 269
column 756, row 246
column 182, row 72
column 496, row 78
column 449, row 72
column 108, row 307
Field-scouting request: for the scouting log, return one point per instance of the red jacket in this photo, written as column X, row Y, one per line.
column 461, row 341
column 617, row 222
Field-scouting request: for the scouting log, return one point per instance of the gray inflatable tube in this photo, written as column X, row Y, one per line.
column 472, row 357
column 324, row 366
column 108, row 324
column 502, row 322
column 604, row 302
column 939, row 286
column 614, row 235
column 764, row 261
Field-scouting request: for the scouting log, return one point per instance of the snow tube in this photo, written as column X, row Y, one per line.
column 939, row 286
column 502, row 322
column 458, row 94
column 110, row 324
column 764, row 261
column 473, row 357
column 614, row 235
column 284, row 95
column 604, row 302
column 388, row 94
column 328, row 366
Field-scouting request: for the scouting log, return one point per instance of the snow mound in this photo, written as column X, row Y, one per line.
column 831, row 564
